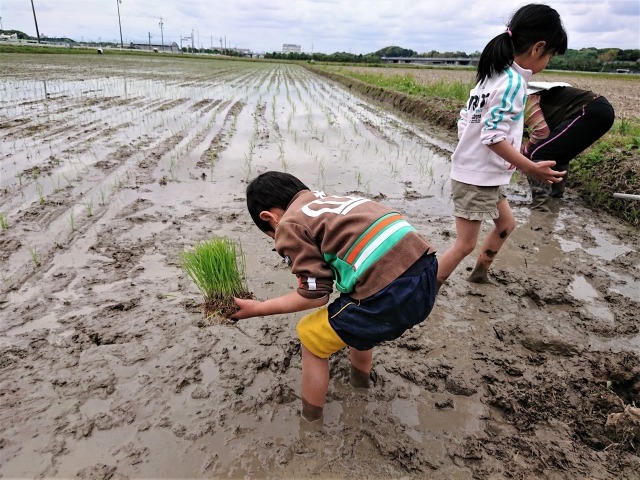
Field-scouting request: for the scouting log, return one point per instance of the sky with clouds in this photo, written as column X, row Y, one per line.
column 359, row 26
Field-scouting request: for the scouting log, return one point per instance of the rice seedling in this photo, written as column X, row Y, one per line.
column 321, row 179
column 88, row 206
column 72, row 221
column 367, row 188
column 4, row 221
column 102, row 196
column 20, row 178
column 34, row 255
column 40, row 192
column 359, row 177
column 217, row 268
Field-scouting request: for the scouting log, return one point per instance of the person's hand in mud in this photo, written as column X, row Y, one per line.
column 290, row 303
column 539, row 171
column 543, row 173
column 247, row 308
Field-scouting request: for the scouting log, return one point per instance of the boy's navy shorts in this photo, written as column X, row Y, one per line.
column 386, row 315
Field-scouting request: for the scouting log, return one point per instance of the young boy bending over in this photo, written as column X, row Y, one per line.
column 384, row 269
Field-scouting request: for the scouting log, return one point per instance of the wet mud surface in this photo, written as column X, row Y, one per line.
column 107, row 369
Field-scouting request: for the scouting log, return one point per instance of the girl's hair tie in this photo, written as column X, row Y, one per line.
column 509, row 32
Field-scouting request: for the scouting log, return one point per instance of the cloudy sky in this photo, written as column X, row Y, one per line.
column 326, row 26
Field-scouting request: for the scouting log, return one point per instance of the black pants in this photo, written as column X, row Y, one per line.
column 569, row 139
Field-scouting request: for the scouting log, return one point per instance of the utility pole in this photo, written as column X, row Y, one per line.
column 193, row 49
column 221, row 45
column 149, row 41
column 162, row 33
column 118, row 2
column 35, row 20
column 225, row 44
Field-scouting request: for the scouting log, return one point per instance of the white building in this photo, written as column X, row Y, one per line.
column 9, row 37
column 291, row 48
column 169, row 48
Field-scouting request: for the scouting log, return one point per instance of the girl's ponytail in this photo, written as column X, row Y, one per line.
column 530, row 24
column 496, row 57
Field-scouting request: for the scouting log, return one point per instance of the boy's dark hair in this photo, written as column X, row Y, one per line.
column 271, row 190
column 530, row 24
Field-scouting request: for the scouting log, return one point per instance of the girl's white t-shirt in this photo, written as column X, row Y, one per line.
column 494, row 113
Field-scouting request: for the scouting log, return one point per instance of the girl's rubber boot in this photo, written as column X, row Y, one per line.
column 541, row 203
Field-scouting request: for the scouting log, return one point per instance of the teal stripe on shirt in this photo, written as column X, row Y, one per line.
column 504, row 100
column 504, row 103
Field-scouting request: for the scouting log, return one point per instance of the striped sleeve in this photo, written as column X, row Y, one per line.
column 506, row 104
column 534, row 120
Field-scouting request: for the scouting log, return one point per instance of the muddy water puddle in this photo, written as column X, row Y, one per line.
column 104, row 338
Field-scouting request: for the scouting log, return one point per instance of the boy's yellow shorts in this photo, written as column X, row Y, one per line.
column 317, row 335
column 383, row 316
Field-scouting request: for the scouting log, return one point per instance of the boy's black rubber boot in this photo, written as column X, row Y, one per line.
column 358, row 378
column 311, row 413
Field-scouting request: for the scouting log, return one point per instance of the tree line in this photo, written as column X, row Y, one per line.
column 585, row 59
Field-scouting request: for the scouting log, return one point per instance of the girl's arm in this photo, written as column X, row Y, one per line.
column 463, row 121
column 289, row 303
column 539, row 171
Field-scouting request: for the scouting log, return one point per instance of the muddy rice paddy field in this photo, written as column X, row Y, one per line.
column 622, row 93
column 111, row 166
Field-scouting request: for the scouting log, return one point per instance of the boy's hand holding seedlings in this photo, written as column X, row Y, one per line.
column 540, row 171
column 289, row 303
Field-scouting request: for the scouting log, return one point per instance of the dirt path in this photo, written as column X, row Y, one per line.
column 111, row 166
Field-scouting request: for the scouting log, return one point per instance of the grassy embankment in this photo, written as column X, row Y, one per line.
column 611, row 165
column 439, row 103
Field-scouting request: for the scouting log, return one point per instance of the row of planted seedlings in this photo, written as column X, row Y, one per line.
column 217, row 266
column 87, row 203
column 416, row 156
column 144, row 118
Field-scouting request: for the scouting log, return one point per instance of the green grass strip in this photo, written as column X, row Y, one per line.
column 408, row 84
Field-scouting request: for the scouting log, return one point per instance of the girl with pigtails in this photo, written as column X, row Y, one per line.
column 490, row 133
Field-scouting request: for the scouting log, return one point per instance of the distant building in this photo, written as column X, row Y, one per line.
column 9, row 37
column 291, row 48
column 169, row 48
column 243, row 52
column 469, row 62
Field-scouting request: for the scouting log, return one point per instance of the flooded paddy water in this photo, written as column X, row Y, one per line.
column 110, row 166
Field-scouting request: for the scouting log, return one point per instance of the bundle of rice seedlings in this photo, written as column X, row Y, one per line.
column 217, row 267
